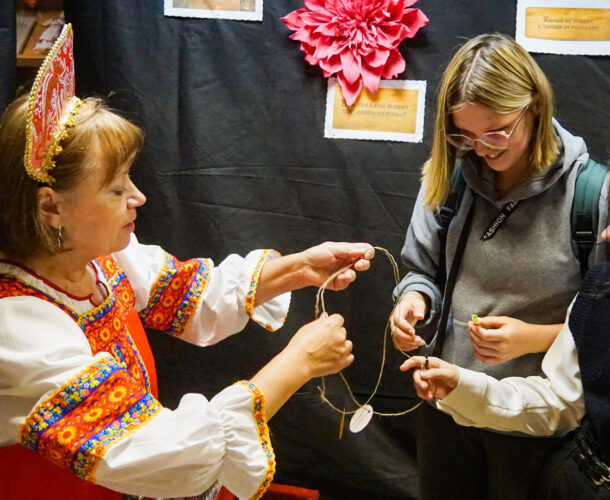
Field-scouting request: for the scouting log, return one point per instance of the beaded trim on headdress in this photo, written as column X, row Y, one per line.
column 51, row 108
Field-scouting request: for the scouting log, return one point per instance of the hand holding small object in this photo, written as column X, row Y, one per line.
column 497, row 339
column 321, row 261
column 434, row 378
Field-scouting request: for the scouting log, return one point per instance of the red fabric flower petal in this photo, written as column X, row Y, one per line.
column 293, row 20
column 394, row 66
column 371, row 77
column 331, row 65
column 351, row 66
column 377, row 58
column 395, row 32
column 415, row 19
column 351, row 91
column 317, row 4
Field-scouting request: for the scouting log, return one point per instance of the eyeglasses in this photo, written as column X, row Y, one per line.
column 492, row 140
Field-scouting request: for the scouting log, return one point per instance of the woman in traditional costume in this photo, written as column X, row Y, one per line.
column 79, row 416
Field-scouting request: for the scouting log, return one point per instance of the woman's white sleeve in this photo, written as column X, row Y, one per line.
column 539, row 406
column 184, row 451
column 86, row 413
column 196, row 300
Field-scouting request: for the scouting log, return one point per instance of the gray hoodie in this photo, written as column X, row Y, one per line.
column 529, row 270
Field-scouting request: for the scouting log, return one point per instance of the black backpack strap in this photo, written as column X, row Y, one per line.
column 446, row 214
column 584, row 215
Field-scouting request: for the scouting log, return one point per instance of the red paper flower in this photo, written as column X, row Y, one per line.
column 355, row 39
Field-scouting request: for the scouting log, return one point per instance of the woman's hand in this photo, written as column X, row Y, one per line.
column 411, row 308
column 321, row 261
column 321, row 347
column 318, row 348
column 497, row 339
column 435, row 381
column 312, row 267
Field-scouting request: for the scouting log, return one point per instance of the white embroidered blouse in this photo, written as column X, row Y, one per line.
column 54, row 379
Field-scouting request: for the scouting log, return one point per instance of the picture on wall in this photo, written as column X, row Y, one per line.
column 242, row 10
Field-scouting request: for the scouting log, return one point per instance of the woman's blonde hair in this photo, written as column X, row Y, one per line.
column 496, row 72
column 100, row 138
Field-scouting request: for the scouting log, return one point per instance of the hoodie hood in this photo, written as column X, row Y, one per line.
column 480, row 178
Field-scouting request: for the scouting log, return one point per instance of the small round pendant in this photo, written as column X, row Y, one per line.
column 361, row 418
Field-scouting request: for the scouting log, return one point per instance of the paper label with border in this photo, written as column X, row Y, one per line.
column 241, row 10
column 394, row 113
column 564, row 26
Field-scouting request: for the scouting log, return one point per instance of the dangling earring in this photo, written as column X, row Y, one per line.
column 60, row 239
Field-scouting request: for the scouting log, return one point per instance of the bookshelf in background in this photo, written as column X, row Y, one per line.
column 33, row 17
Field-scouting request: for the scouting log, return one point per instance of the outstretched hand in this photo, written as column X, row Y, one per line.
column 322, row 261
column 435, row 381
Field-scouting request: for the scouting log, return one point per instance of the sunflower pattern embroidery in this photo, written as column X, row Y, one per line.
column 175, row 294
column 93, row 411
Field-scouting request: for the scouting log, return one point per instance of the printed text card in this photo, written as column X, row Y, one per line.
column 394, row 113
column 564, row 26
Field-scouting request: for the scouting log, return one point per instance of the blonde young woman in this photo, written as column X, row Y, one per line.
column 519, row 269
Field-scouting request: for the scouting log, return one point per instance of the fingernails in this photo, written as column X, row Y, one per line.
column 369, row 254
column 324, row 315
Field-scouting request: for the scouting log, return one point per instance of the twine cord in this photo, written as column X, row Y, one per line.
column 320, row 308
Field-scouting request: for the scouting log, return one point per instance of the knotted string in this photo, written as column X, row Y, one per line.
column 320, row 305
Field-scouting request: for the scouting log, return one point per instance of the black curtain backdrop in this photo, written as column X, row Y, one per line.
column 8, row 44
column 236, row 159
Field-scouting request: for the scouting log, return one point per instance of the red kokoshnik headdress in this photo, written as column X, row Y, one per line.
column 51, row 108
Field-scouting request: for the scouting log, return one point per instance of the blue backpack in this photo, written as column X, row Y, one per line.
column 584, row 215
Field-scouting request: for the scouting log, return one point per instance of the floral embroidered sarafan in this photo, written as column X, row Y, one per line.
column 356, row 40
column 107, row 401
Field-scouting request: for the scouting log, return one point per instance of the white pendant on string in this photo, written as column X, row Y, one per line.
column 361, row 418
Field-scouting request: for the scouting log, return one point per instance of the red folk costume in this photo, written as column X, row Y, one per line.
column 79, row 416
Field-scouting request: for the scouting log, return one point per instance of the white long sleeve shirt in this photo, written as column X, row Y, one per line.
column 538, row 406
column 177, row 452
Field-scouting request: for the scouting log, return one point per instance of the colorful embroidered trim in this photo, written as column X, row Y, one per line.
column 256, row 274
column 175, row 294
column 14, row 287
column 258, row 412
column 105, row 326
column 76, row 425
